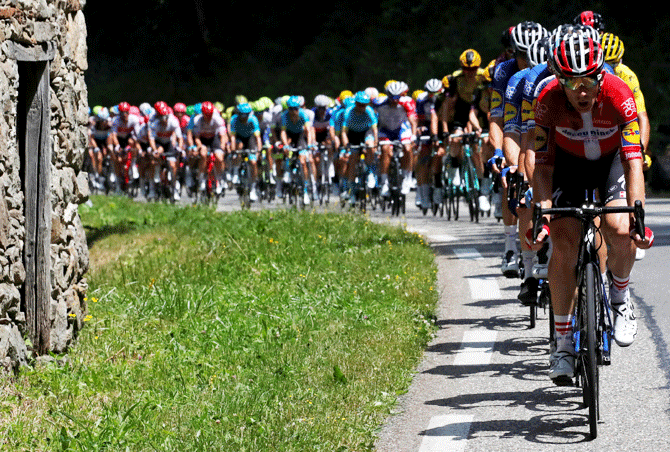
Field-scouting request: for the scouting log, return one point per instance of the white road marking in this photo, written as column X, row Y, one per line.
column 476, row 348
column 484, row 288
column 467, row 253
column 446, row 433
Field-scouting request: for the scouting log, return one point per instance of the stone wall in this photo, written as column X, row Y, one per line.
column 30, row 23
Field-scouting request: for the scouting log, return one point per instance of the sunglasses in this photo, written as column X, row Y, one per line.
column 574, row 84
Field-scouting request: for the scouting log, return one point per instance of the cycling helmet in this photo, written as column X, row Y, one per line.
column 613, row 48
column 538, row 52
column 380, row 99
column 244, row 109
column 162, row 109
column 395, row 89
column 179, row 107
column 445, row 82
column 102, row 114
column 388, row 82
column 114, row 110
column 490, row 69
column 124, row 107
column 577, row 55
column 433, row 85
column 322, row 100
column 344, row 94
column 372, row 92
column 417, row 94
column 362, row 98
column 591, row 19
column 240, row 99
column 293, row 102
column 146, row 109
column 470, row 59
column 524, row 34
column 207, row 109
column 97, row 109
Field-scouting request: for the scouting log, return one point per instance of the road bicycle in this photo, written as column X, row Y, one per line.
column 469, row 181
column 245, row 182
column 592, row 319
column 395, row 201
column 359, row 189
column 294, row 181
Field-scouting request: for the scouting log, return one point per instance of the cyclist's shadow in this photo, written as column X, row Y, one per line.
column 559, row 421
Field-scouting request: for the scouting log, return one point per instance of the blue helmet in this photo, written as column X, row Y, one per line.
column 244, row 109
column 362, row 98
column 293, row 102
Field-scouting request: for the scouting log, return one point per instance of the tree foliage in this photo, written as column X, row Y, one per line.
column 190, row 50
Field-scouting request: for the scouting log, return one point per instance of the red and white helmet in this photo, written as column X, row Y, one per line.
column 207, row 109
column 577, row 55
column 161, row 108
column 179, row 107
column 124, row 107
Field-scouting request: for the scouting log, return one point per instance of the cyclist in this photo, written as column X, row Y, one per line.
column 245, row 133
column 210, row 137
column 590, row 19
column 534, row 81
column 429, row 163
column 342, row 161
column 322, row 112
column 396, row 121
column 166, row 142
column 121, row 139
column 587, row 137
column 98, row 133
column 359, row 125
column 613, row 48
column 522, row 35
column 296, row 130
column 465, row 90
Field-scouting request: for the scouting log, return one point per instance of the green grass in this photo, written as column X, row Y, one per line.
column 249, row 331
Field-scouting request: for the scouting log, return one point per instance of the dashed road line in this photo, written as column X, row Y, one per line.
column 446, row 433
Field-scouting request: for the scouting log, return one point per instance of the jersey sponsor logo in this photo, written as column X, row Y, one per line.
column 526, row 111
column 628, row 107
column 510, row 112
column 540, row 110
column 630, row 134
column 590, row 134
column 496, row 100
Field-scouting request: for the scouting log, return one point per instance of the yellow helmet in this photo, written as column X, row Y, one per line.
column 417, row 93
column 445, row 81
column 488, row 72
column 470, row 59
column 612, row 47
column 346, row 93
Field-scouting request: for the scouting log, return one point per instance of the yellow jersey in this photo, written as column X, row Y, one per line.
column 628, row 76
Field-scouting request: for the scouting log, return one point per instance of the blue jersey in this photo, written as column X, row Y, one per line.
column 336, row 119
column 359, row 122
column 512, row 108
column 295, row 127
column 503, row 72
column 533, row 77
column 244, row 129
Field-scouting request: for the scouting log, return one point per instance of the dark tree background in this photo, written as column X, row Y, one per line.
column 194, row 50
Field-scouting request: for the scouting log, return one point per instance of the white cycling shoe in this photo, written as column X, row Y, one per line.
column 625, row 323
column 484, row 204
column 562, row 368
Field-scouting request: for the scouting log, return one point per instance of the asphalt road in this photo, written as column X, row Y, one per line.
column 483, row 384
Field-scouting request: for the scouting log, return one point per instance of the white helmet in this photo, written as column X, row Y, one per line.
column 322, row 100
column 524, row 34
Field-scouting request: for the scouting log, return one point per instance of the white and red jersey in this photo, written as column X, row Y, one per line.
column 610, row 126
column 410, row 106
column 125, row 129
column 202, row 128
column 164, row 133
column 392, row 116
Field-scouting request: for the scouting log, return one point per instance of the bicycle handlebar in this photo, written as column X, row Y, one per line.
column 589, row 212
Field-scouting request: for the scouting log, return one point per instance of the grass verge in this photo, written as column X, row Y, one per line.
column 248, row 331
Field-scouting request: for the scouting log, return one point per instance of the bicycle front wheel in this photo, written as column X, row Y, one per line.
column 589, row 355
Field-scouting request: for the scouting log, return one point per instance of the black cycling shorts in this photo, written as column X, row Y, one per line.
column 574, row 177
